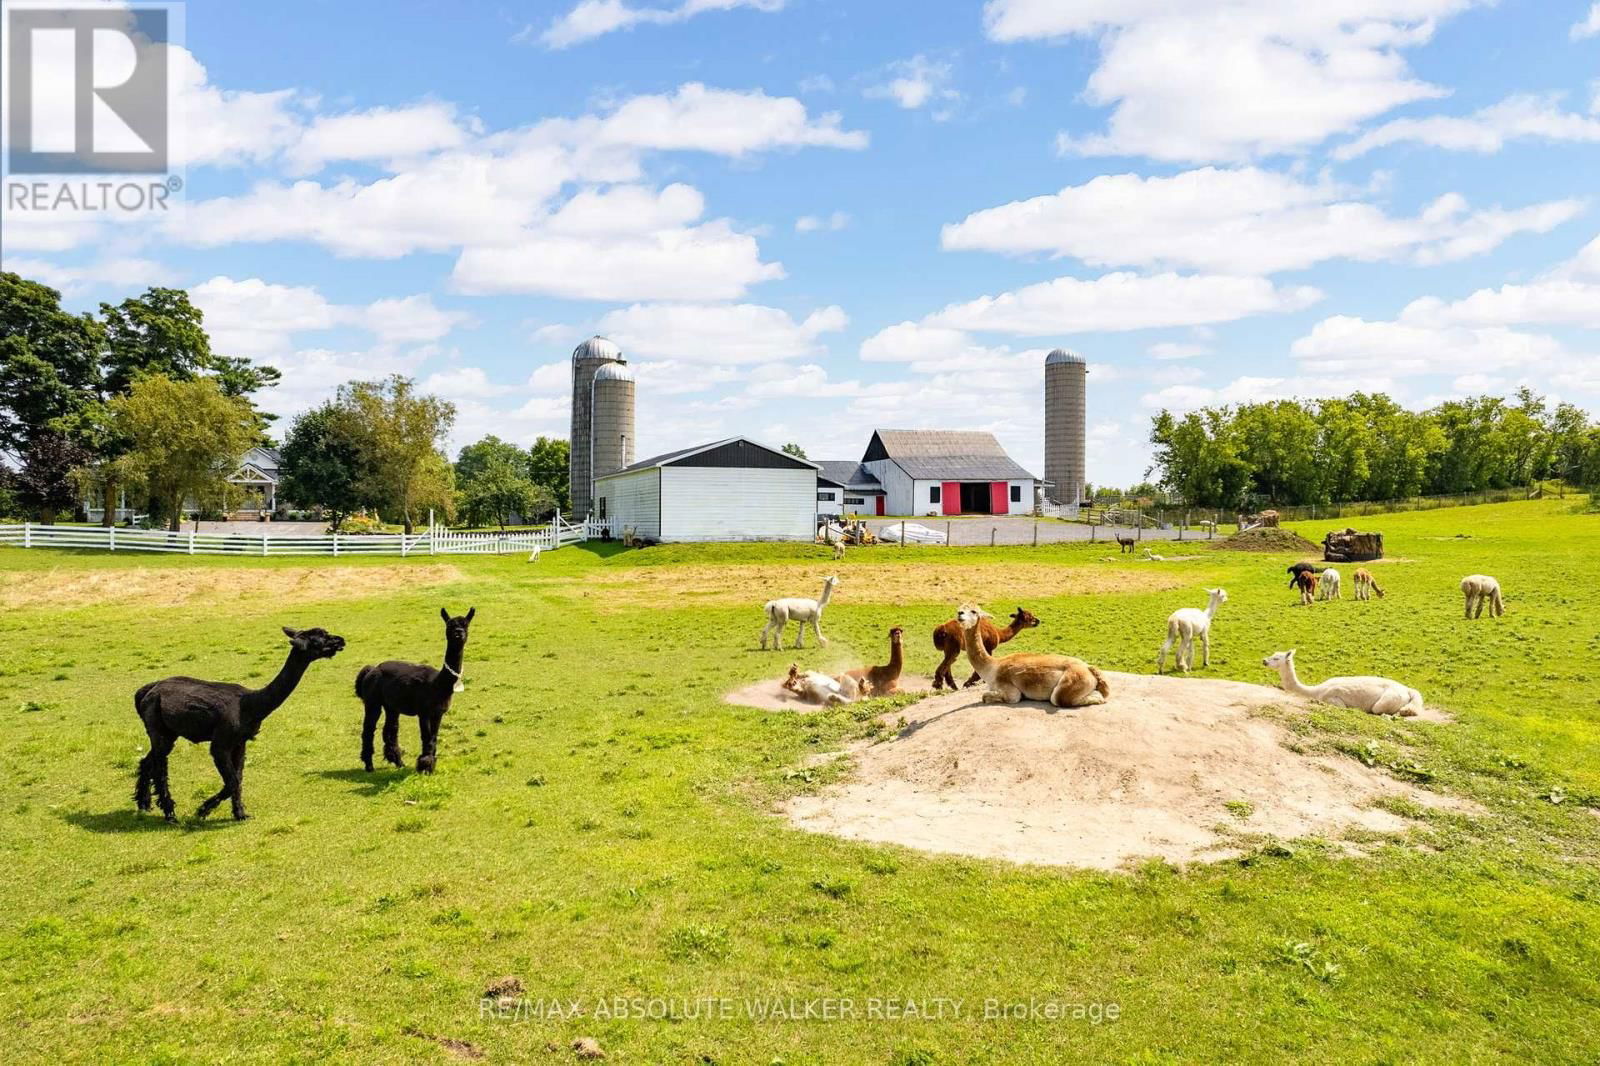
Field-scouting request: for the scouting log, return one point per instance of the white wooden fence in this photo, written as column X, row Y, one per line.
column 433, row 541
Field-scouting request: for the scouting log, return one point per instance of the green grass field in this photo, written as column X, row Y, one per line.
column 601, row 822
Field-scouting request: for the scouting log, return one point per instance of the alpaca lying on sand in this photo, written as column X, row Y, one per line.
column 819, row 688
column 1375, row 695
column 950, row 640
column 1058, row 679
column 1481, row 589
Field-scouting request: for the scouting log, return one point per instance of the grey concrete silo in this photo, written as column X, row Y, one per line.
column 587, row 358
column 611, row 430
column 1065, row 401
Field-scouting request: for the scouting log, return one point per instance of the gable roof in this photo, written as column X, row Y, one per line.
column 848, row 474
column 945, row 455
column 731, row 452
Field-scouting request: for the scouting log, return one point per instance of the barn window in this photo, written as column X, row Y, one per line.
column 601, row 513
column 828, row 496
column 933, row 494
column 1016, row 493
column 856, row 500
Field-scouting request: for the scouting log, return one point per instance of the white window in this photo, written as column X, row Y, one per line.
column 828, row 496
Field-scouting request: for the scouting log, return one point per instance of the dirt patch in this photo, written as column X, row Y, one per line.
column 770, row 695
column 176, row 586
column 1177, row 768
column 462, row 1049
column 898, row 584
column 1268, row 539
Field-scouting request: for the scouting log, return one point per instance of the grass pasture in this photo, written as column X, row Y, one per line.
column 601, row 823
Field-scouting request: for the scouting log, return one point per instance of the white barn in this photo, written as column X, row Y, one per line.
column 734, row 489
column 844, row 487
column 947, row 472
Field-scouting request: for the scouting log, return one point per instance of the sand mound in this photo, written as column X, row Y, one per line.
column 174, row 586
column 770, row 695
column 1268, row 539
column 1176, row 768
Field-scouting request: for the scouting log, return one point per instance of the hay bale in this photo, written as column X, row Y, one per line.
column 1349, row 546
column 1267, row 539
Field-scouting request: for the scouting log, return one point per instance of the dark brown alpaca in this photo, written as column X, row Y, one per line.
column 397, row 688
column 950, row 639
column 1126, row 544
column 227, row 715
column 1308, row 586
column 882, row 680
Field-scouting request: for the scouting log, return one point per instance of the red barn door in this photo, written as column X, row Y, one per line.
column 880, row 505
column 999, row 497
column 950, row 497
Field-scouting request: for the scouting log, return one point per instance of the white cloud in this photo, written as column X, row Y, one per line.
column 596, row 18
column 838, row 220
column 257, row 318
column 227, row 127
column 120, row 272
column 1237, row 221
column 1589, row 26
column 1254, row 389
column 721, row 121
column 916, row 82
column 1344, row 344
column 1123, row 301
column 463, row 383
column 551, row 377
column 724, row 334
column 1233, row 79
column 1522, row 117
column 381, row 134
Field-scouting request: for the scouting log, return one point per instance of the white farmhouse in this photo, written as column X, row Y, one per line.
column 946, row 472
column 734, row 489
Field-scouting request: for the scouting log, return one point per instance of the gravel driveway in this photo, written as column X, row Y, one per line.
column 966, row 532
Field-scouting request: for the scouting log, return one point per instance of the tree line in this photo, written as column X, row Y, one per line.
column 132, row 402
column 1365, row 446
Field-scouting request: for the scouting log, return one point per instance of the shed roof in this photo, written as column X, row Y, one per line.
column 945, row 455
column 848, row 474
column 730, row 452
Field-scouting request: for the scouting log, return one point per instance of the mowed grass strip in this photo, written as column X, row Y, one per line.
column 601, row 824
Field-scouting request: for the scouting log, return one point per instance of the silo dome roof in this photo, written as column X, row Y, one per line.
column 596, row 348
column 614, row 372
column 1061, row 355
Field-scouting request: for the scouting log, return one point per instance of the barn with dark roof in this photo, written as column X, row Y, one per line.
column 946, row 472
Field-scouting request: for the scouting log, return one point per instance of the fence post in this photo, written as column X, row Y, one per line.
column 111, row 537
column 1138, row 521
column 27, row 534
column 991, row 536
column 336, row 544
column 1036, row 533
column 263, row 544
column 947, row 539
column 191, row 542
column 902, row 532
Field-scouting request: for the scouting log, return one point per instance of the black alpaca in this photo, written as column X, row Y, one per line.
column 397, row 688
column 1302, row 568
column 227, row 715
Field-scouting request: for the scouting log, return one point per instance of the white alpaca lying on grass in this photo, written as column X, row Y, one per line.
column 1328, row 587
column 814, row 687
column 1186, row 623
column 1481, row 589
column 803, row 611
column 1375, row 695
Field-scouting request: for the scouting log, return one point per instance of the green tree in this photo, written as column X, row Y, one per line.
column 49, row 361
column 47, row 482
column 473, row 459
column 795, row 450
column 549, row 464
column 1344, row 445
column 185, row 438
column 404, row 427
column 1277, row 443
column 324, row 459
column 1197, row 459
column 499, row 488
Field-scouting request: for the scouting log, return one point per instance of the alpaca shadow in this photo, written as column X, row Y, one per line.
column 130, row 821
column 912, row 728
column 366, row 783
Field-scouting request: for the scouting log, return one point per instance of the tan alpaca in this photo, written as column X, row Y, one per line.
column 1481, row 589
column 1366, row 584
column 1058, row 679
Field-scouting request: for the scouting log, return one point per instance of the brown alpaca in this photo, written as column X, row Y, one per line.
column 881, row 680
column 950, row 639
column 1366, row 584
column 1062, row 680
column 1308, row 587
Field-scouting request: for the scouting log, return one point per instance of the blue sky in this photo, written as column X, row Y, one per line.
column 806, row 219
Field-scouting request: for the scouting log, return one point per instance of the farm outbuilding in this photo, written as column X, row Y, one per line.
column 734, row 489
column 844, row 487
column 947, row 472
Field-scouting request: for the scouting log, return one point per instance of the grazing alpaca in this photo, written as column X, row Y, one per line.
column 1060, row 679
column 1375, row 695
column 227, row 715
column 1308, row 586
column 1328, row 585
column 803, row 611
column 819, row 688
column 881, row 680
column 1366, row 584
column 1479, row 590
column 950, row 639
column 397, row 688
column 1126, row 544
column 1186, row 623
column 1301, row 568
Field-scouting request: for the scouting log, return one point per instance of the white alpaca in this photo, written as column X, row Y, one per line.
column 1328, row 587
column 1479, row 590
column 1375, row 695
column 803, row 611
column 1186, row 623
column 820, row 688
